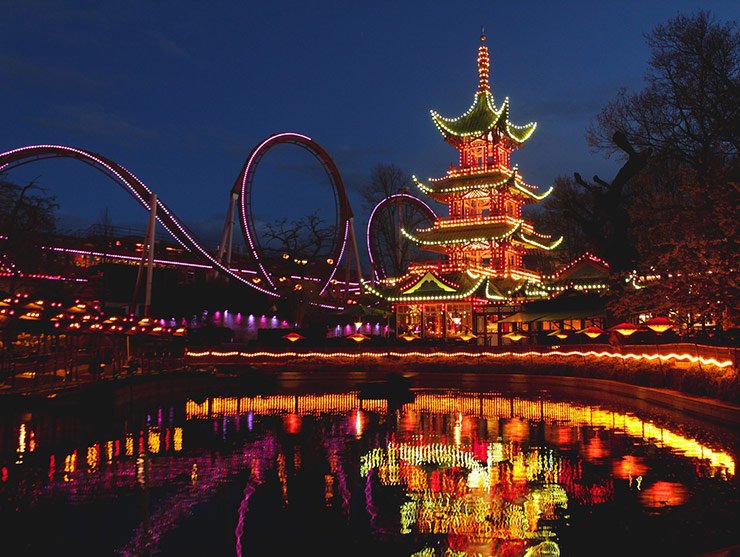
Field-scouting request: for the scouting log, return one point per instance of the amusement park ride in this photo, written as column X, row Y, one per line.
column 479, row 277
column 268, row 277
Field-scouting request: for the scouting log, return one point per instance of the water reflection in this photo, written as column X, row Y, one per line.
column 451, row 473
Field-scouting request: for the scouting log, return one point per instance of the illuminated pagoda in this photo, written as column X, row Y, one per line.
column 481, row 275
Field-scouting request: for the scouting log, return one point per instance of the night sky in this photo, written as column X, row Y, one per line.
column 180, row 92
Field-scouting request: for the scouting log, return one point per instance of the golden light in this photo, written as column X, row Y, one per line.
column 408, row 337
column 358, row 324
column 560, row 333
column 358, row 337
column 330, row 261
column 625, row 329
column 592, row 331
column 467, row 336
column 292, row 337
column 286, row 256
column 515, row 336
column 659, row 324
column 32, row 316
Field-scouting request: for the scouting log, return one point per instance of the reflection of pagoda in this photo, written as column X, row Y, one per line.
column 484, row 238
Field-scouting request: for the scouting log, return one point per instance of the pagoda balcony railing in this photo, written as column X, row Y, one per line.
column 455, row 172
column 447, row 267
column 476, row 220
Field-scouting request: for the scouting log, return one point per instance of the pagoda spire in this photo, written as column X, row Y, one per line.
column 483, row 65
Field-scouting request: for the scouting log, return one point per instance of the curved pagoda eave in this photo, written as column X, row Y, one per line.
column 440, row 188
column 482, row 118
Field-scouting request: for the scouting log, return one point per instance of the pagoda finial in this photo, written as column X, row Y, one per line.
column 483, row 63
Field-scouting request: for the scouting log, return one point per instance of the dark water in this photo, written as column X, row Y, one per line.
column 187, row 468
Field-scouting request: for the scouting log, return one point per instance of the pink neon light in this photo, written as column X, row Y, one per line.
column 248, row 169
column 181, row 235
column 385, row 201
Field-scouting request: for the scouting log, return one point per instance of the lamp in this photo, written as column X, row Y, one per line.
column 514, row 335
column 292, row 337
column 625, row 329
column 358, row 337
column 467, row 336
column 408, row 337
column 560, row 333
column 659, row 324
column 592, row 331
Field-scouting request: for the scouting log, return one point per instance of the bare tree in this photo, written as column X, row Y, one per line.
column 26, row 221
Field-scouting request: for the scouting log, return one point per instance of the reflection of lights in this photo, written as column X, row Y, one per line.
column 292, row 423
column 629, row 467
column 664, row 494
column 596, row 449
column 154, row 440
column 491, row 407
column 358, row 424
column 140, row 470
column 22, row 439
column 516, row 429
column 328, row 489
column 93, row 456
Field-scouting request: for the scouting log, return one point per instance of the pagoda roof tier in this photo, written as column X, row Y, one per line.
column 439, row 286
column 499, row 178
column 481, row 119
column 468, row 231
column 447, row 235
column 429, row 286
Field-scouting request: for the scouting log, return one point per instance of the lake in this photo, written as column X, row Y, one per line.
column 465, row 466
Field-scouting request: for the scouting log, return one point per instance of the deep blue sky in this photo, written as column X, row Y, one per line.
column 180, row 92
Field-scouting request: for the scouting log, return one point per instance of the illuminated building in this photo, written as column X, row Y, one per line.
column 483, row 238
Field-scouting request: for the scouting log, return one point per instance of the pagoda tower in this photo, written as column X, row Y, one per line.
column 481, row 273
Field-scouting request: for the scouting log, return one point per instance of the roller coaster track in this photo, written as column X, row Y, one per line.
column 131, row 184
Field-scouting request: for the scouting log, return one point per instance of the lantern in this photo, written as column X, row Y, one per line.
column 358, row 337
column 625, row 329
column 592, row 331
column 659, row 324
column 292, row 337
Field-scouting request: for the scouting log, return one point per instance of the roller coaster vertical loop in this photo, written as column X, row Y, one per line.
column 244, row 186
column 391, row 200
